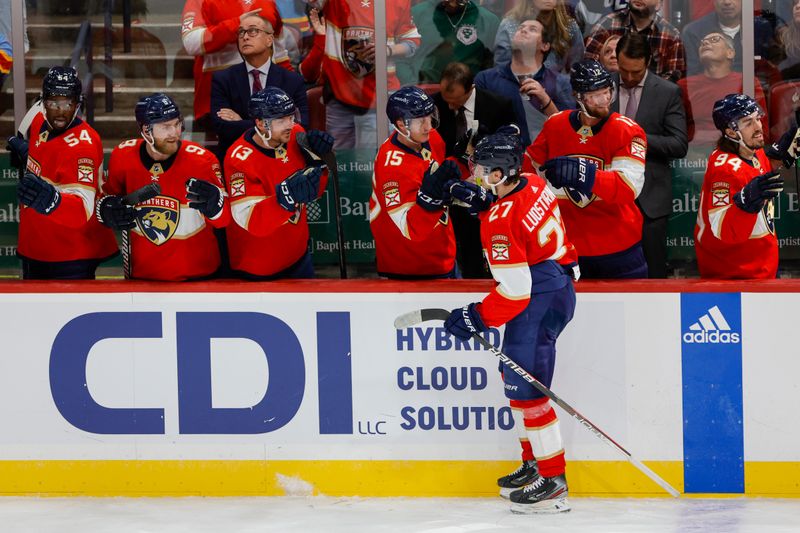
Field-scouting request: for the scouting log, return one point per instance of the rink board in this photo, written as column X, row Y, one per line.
column 114, row 388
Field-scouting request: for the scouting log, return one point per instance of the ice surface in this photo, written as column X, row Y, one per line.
column 428, row 515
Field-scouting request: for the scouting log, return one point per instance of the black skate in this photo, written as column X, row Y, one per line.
column 544, row 495
column 525, row 474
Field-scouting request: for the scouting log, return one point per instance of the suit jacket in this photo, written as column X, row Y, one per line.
column 230, row 88
column 491, row 110
column 663, row 118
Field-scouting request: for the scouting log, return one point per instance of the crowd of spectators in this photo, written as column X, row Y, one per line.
column 513, row 56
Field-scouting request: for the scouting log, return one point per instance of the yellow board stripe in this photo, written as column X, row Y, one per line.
column 349, row 478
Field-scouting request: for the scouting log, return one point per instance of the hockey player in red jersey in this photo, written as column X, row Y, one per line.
column 595, row 159
column 60, row 170
column 533, row 263
column 348, row 64
column 171, row 236
column 408, row 211
column 271, row 179
column 735, row 231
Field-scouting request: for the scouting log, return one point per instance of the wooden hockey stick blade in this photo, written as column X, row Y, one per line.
column 420, row 315
column 151, row 190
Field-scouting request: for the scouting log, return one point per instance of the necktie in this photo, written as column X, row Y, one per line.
column 256, row 80
column 632, row 105
column 461, row 123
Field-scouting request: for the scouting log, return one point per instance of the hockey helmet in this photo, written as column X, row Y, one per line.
column 270, row 103
column 155, row 108
column 499, row 151
column 409, row 102
column 589, row 75
column 728, row 111
column 62, row 81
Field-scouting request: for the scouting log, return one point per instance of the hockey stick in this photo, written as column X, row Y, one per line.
column 330, row 161
column 424, row 315
column 142, row 194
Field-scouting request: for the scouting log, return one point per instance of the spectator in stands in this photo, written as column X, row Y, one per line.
column 231, row 88
column 642, row 16
column 310, row 67
column 463, row 110
column 209, row 33
column 450, row 30
column 727, row 19
column 535, row 91
column 348, row 65
column 717, row 56
column 5, row 59
column 588, row 12
column 567, row 40
column 608, row 57
column 655, row 104
column 789, row 37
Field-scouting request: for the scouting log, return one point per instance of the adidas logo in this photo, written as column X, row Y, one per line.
column 711, row 328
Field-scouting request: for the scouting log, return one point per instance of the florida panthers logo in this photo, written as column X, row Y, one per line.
column 158, row 218
column 578, row 198
column 355, row 41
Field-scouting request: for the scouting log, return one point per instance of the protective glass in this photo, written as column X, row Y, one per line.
column 426, row 123
column 62, row 105
column 167, row 129
column 480, row 173
column 282, row 123
column 749, row 120
column 599, row 98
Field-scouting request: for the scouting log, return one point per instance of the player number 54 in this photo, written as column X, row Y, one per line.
column 73, row 140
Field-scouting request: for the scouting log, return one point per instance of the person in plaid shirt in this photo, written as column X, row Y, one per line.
column 641, row 16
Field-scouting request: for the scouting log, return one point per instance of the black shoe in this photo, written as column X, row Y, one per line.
column 544, row 495
column 517, row 479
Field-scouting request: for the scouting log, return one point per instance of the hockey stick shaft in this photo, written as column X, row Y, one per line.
column 142, row 194
column 424, row 315
column 330, row 161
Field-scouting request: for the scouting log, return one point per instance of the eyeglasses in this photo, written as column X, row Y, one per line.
column 251, row 32
column 713, row 39
column 64, row 105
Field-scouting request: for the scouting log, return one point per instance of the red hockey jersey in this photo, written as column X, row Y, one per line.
column 73, row 162
column 409, row 241
column 209, row 33
column 731, row 243
column 171, row 241
column 351, row 25
column 520, row 230
column 608, row 221
column 265, row 238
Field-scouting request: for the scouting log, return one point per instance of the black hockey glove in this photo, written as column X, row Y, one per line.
column 787, row 149
column 319, row 142
column 301, row 187
column 433, row 194
column 204, row 196
column 758, row 191
column 473, row 196
column 570, row 172
column 116, row 214
column 19, row 152
column 465, row 321
column 37, row 194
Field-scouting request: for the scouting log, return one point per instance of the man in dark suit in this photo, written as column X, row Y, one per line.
column 463, row 107
column 231, row 88
column 656, row 105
